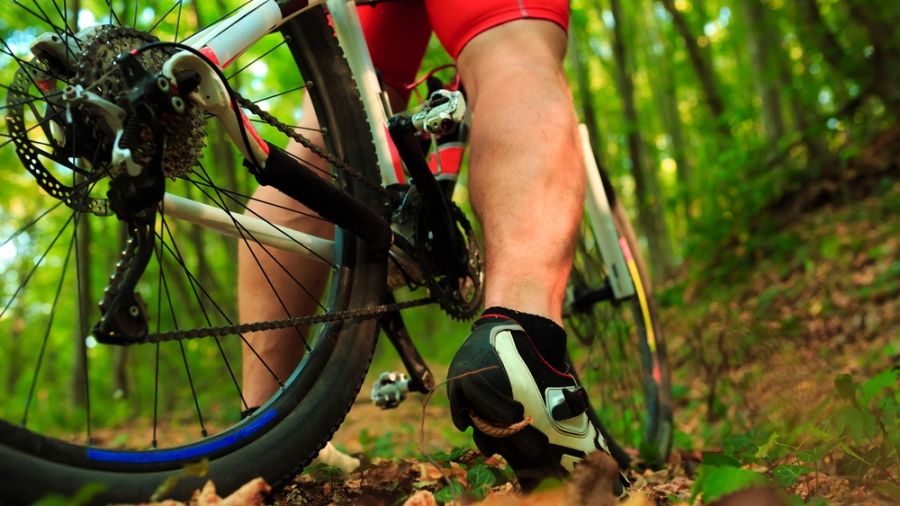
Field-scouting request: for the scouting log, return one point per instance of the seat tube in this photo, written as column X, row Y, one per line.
column 350, row 36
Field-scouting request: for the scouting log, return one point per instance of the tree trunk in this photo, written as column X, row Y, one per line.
column 588, row 113
column 801, row 108
column 665, row 90
column 649, row 212
column 702, row 68
column 880, row 24
column 765, row 76
column 822, row 36
column 78, row 386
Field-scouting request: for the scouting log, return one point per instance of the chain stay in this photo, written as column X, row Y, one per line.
column 330, row 158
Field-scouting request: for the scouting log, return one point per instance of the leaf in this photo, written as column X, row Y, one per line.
column 720, row 459
column 888, row 489
column 454, row 454
column 480, row 478
column 449, row 493
column 714, row 482
column 787, row 475
column 845, row 387
column 198, row 469
column 849, row 451
column 84, row 496
column 875, row 385
column 795, row 500
column 763, row 451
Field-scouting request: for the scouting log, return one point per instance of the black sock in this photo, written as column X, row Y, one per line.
column 548, row 337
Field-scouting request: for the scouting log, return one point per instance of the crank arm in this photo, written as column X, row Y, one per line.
column 446, row 242
column 421, row 378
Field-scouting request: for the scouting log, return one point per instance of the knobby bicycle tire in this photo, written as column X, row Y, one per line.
column 286, row 433
column 623, row 366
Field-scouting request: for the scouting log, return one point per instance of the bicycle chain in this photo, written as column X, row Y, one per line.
column 293, row 134
column 365, row 313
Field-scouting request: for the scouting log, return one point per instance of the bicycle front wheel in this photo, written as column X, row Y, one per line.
column 617, row 347
column 76, row 410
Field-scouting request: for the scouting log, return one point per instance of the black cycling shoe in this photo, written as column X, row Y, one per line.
column 519, row 383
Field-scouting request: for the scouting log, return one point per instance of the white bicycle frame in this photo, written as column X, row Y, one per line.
column 229, row 38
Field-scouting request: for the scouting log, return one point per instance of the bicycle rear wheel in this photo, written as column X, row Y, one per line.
column 617, row 347
column 78, row 411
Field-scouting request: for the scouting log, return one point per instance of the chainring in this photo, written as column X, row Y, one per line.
column 460, row 296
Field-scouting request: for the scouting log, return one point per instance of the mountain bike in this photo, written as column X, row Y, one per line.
column 113, row 193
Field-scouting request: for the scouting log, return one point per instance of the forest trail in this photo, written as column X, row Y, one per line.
column 761, row 374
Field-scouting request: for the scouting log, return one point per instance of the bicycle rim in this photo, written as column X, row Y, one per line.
column 619, row 352
column 79, row 406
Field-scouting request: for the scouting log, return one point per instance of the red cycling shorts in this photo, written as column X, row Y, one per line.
column 397, row 32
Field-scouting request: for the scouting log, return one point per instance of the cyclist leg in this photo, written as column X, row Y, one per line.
column 526, row 184
column 526, row 179
column 397, row 35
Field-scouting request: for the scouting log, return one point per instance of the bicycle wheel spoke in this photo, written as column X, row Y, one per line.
column 244, row 230
column 248, row 238
column 178, row 20
column 157, row 250
column 46, row 338
column 113, row 18
column 279, row 94
column 154, row 442
column 29, row 224
column 59, row 30
column 38, row 16
column 258, row 58
column 162, row 18
column 228, row 321
column 74, row 220
column 193, row 285
column 239, row 198
column 187, row 368
column 30, row 101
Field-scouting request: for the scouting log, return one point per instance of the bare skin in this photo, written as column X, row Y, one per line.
column 279, row 350
column 526, row 179
column 526, row 184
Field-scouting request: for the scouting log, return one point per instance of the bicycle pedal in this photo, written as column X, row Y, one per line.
column 390, row 389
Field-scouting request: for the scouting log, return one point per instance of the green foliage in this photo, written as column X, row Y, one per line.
column 83, row 496
column 324, row 472
column 715, row 481
column 453, row 491
column 787, row 475
column 481, row 478
column 856, row 427
column 197, row 469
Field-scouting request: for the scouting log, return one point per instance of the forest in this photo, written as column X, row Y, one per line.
column 754, row 144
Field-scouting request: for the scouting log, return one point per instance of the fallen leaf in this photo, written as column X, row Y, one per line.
column 421, row 498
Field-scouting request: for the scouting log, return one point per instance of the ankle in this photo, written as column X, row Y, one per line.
column 548, row 337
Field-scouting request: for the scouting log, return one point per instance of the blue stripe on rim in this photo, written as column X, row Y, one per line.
column 193, row 451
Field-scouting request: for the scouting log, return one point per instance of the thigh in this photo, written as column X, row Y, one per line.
column 456, row 22
column 397, row 34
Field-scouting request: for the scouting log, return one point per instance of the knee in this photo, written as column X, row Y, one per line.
column 529, row 51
